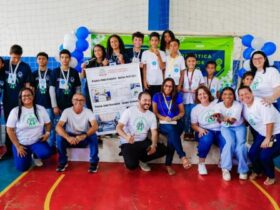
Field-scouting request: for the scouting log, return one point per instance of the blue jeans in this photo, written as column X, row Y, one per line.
column 62, row 145
column 235, row 145
column 187, row 117
column 52, row 139
column 262, row 158
column 41, row 149
column 173, row 133
column 205, row 142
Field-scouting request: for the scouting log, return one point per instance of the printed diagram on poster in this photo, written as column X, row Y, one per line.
column 112, row 89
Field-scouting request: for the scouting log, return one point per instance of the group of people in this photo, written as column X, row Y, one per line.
column 177, row 99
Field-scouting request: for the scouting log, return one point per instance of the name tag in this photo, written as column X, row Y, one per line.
column 12, row 78
column 42, row 84
column 135, row 60
column 63, row 84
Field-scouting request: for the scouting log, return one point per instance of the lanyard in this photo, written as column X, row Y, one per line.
column 209, row 85
column 63, row 75
column 40, row 76
column 136, row 54
column 11, row 67
column 171, row 62
column 190, row 80
column 169, row 106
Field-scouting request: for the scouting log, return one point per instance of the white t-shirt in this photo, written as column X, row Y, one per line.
column 77, row 123
column 258, row 115
column 195, row 78
column 137, row 123
column 264, row 83
column 174, row 66
column 213, row 85
column 28, row 129
column 201, row 115
column 235, row 111
column 154, row 73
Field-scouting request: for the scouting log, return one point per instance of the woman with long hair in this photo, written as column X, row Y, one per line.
column 169, row 109
column 28, row 127
column 115, row 50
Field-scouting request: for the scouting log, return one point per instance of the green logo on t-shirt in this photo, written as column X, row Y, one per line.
column 139, row 124
column 256, row 82
column 31, row 120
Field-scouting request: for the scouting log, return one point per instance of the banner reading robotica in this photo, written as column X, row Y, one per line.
column 219, row 49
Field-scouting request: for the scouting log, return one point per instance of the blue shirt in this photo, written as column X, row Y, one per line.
column 42, row 95
column 163, row 107
column 64, row 97
column 11, row 91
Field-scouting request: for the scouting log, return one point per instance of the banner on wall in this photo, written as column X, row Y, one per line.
column 219, row 49
column 112, row 89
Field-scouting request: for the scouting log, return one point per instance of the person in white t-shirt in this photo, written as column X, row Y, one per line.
column 229, row 113
column 153, row 61
column 77, row 128
column 265, row 120
column 175, row 62
column 28, row 127
column 133, row 127
column 266, row 82
column 211, row 81
column 190, row 80
column 208, row 129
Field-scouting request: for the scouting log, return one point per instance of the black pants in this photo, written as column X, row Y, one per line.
column 8, row 143
column 133, row 153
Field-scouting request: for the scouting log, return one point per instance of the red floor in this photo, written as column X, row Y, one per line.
column 114, row 187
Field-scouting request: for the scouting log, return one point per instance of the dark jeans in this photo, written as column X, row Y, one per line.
column 173, row 133
column 133, row 153
column 262, row 158
column 62, row 145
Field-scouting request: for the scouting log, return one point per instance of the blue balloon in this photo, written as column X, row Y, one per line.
column 82, row 32
column 247, row 53
column 78, row 55
column 269, row 48
column 241, row 72
column 78, row 67
column 60, row 47
column 81, row 45
column 247, row 40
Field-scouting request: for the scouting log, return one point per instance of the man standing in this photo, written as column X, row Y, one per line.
column 76, row 128
column 133, row 128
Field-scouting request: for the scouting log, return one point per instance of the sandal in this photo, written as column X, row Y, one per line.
column 269, row 181
column 186, row 163
column 170, row 171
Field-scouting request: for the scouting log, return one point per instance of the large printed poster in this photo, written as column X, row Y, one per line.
column 112, row 89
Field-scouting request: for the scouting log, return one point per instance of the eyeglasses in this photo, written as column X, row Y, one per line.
column 27, row 96
column 258, row 59
column 78, row 100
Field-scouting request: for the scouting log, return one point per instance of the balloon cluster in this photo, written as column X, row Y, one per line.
column 76, row 43
column 253, row 44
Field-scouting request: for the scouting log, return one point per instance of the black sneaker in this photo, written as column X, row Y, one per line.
column 93, row 167
column 61, row 167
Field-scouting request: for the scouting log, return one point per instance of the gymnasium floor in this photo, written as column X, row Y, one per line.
column 114, row 187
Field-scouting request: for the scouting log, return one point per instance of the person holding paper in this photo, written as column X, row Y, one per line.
column 265, row 120
column 169, row 108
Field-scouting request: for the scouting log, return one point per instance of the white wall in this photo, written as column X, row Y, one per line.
column 40, row 25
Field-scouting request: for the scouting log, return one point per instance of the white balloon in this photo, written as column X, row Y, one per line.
column 257, row 43
column 73, row 62
column 246, row 65
column 70, row 36
column 271, row 60
column 56, row 57
column 69, row 45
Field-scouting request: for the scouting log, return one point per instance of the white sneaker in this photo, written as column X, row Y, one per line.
column 202, row 169
column 226, row 175
column 144, row 166
column 37, row 162
column 243, row 176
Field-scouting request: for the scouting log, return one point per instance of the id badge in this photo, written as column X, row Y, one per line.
column 135, row 60
column 154, row 65
column 113, row 64
column 42, row 84
column 63, row 84
column 12, row 78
